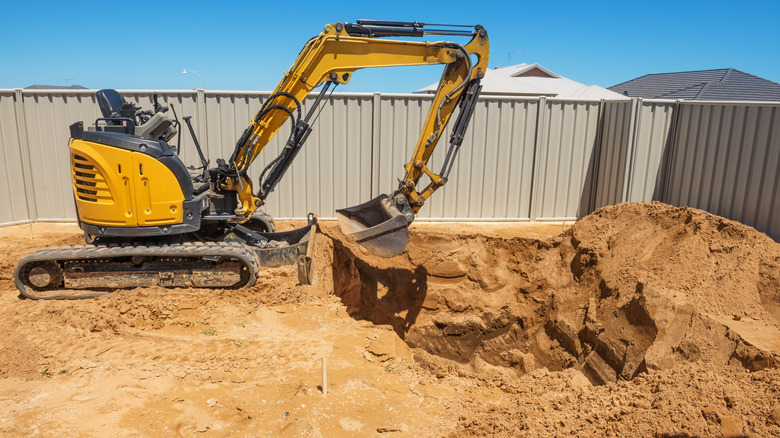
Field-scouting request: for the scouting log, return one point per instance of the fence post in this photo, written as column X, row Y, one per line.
column 597, row 148
column 24, row 153
column 376, row 122
column 635, row 122
column 674, row 140
column 540, row 148
column 200, row 106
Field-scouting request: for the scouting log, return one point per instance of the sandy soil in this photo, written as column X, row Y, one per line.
column 639, row 320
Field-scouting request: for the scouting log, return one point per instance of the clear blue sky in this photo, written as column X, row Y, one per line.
column 248, row 46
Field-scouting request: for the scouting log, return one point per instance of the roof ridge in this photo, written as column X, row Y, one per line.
column 687, row 71
column 725, row 75
column 704, row 87
column 681, row 89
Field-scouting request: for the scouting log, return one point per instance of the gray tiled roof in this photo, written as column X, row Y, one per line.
column 719, row 84
column 55, row 87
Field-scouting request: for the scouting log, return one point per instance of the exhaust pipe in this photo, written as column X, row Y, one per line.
column 380, row 225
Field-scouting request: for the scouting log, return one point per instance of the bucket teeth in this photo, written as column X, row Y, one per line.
column 378, row 225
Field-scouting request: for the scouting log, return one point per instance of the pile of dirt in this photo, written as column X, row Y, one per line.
column 639, row 320
column 629, row 288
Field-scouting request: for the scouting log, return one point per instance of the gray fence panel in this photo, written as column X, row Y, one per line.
column 491, row 177
column 615, row 147
column 400, row 123
column 652, row 141
column 521, row 159
column 566, row 160
column 334, row 166
column 508, row 174
column 500, row 171
column 727, row 161
column 12, row 183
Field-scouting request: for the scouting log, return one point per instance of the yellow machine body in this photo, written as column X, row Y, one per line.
column 116, row 187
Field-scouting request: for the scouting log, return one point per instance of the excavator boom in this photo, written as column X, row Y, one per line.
column 330, row 59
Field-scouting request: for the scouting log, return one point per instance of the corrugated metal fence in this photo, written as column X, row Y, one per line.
column 522, row 159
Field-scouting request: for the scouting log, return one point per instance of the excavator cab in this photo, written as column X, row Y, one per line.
column 122, row 116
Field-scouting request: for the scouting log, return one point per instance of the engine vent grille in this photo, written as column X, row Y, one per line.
column 90, row 185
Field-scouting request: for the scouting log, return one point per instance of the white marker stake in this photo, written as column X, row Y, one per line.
column 324, row 376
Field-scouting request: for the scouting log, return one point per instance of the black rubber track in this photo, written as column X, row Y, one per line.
column 195, row 250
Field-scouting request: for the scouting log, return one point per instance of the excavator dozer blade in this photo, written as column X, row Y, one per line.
column 378, row 225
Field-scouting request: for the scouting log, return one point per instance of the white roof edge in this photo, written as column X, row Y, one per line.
column 535, row 65
column 519, row 69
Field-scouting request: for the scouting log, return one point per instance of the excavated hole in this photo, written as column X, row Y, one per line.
column 508, row 303
column 524, row 304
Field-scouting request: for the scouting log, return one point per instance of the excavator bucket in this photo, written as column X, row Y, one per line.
column 378, row 225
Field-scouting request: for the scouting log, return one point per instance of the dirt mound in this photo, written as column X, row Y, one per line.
column 629, row 288
column 640, row 320
column 693, row 401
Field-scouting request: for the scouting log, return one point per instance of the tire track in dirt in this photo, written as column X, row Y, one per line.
column 235, row 342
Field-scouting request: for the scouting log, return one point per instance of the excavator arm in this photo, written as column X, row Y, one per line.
column 331, row 58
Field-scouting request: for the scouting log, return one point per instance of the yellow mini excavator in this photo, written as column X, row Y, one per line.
column 151, row 221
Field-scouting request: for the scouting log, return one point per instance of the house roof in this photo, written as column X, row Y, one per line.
column 518, row 70
column 535, row 80
column 718, row 84
column 55, row 87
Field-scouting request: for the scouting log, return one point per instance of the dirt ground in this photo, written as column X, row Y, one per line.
column 638, row 320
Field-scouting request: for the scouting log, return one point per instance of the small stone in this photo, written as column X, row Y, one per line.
column 211, row 402
column 710, row 414
column 731, row 426
column 383, row 345
column 350, row 424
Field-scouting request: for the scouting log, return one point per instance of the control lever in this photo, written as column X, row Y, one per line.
column 203, row 159
column 178, row 126
column 157, row 107
column 143, row 116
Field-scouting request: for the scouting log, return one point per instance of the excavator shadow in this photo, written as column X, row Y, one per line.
column 391, row 296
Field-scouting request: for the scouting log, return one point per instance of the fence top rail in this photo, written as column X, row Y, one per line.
column 657, row 101
column 91, row 91
column 708, row 102
column 728, row 102
column 422, row 96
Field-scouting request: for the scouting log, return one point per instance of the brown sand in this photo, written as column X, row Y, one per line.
column 640, row 320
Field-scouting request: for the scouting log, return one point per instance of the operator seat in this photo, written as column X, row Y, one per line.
column 113, row 105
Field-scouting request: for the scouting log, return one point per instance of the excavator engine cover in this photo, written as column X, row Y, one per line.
column 378, row 225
